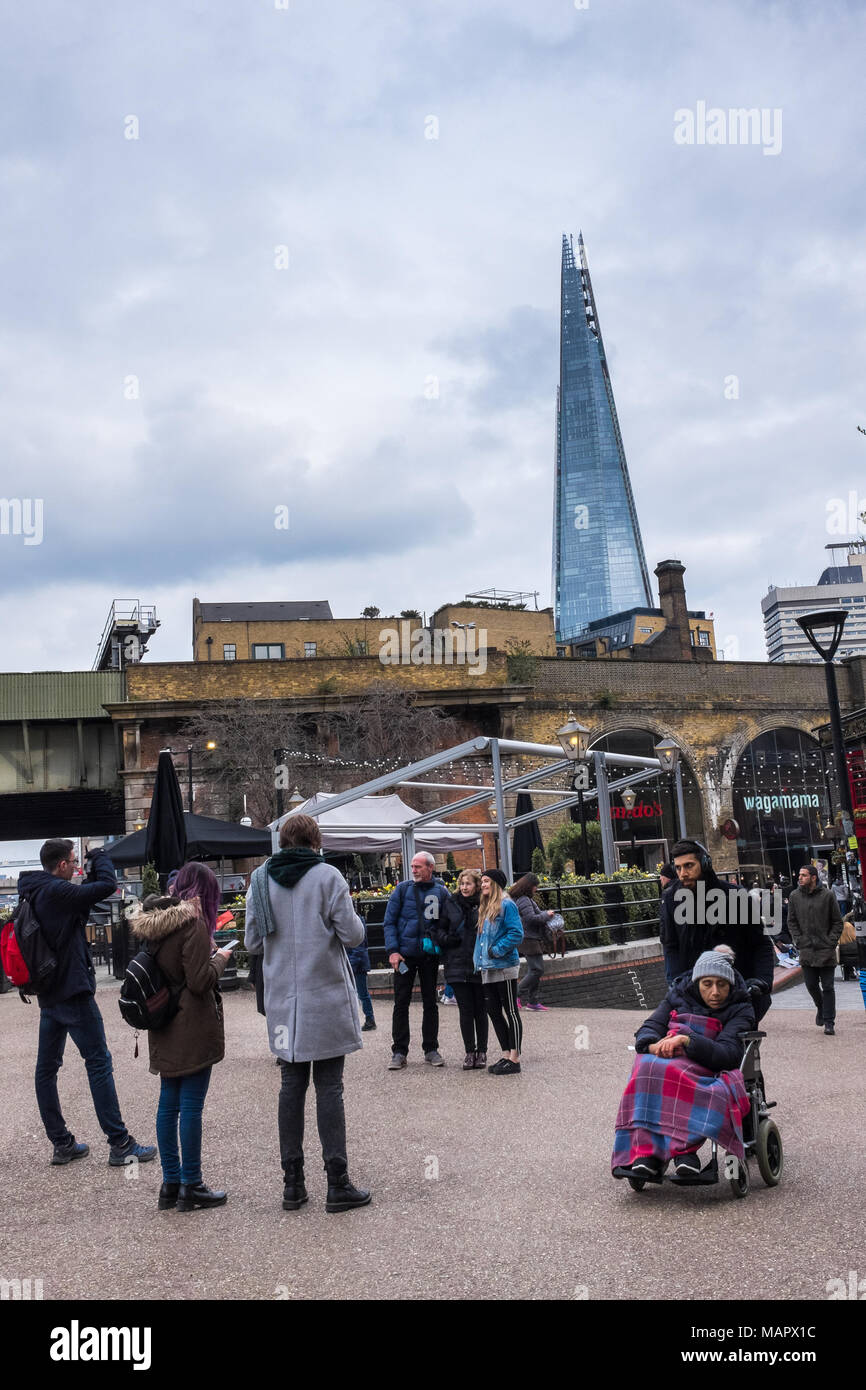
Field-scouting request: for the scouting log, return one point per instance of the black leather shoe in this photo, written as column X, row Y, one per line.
column 192, row 1195
column 342, row 1196
column 168, row 1195
column 369, row 1026
column 294, row 1192
column 819, row 1019
column 830, row 1030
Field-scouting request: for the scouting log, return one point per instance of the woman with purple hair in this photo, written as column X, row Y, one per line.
column 179, row 929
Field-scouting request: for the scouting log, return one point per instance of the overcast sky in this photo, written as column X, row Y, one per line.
column 167, row 385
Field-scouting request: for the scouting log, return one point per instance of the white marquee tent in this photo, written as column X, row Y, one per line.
column 364, row 826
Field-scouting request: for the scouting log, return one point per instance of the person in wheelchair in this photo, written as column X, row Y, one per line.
column 686, row 1085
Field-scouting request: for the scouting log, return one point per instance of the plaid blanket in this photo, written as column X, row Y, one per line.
column 672, row 1105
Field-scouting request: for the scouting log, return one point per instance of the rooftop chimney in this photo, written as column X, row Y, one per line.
column 672, row 601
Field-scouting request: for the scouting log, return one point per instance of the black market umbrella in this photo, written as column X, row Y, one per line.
column 525, row 838
column 165, row 841
column 206, row 838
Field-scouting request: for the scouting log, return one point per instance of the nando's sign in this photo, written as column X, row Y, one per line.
column 645, row 810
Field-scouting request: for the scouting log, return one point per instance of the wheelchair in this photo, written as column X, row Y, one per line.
column 761, row 1138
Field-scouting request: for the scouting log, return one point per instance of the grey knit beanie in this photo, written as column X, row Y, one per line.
column 711, row 963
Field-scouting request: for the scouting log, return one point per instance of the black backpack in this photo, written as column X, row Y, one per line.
column 147, row 1002
column 38, row 956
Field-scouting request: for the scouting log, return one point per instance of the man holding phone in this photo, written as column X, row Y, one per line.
column 412, row 908
column 69, row 1008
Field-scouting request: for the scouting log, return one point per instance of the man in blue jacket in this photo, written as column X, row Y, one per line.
column 61, row 908
column 412, row 908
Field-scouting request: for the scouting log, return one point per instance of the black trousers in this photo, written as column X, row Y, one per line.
column 473, row 1015
column 427, row 970
column 501, row 1000
column 528, row 986
column 330, row 1114
column 818, row 980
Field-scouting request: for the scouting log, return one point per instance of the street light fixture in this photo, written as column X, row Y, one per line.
column 628, row 796
column 668, row 754
column 574, row 738
column 296, row 799
column 830, row 622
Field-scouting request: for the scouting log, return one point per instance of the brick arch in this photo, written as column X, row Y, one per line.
column 658, row 728
column 743, row 738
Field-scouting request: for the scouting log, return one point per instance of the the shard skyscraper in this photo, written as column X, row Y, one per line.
column 598, row 561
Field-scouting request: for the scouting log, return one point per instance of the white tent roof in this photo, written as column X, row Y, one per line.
column 340, row 828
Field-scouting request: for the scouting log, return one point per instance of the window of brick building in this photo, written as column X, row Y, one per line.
column 268, row 651
column 230, row 651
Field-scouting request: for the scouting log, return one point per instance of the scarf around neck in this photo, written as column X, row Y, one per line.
column 288, row 866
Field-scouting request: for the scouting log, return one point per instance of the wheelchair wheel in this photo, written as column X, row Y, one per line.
column 739, row 1179
column 768, row 1152
column 637, row 1184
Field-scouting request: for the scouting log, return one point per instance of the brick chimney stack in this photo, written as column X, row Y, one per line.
column 672, row 601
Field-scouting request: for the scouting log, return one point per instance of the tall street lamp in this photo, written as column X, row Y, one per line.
column 824, row 632
column 628, row 796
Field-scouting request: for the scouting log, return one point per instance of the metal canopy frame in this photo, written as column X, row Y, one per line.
column 495, row 748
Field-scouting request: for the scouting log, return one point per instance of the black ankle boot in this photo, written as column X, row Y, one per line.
column 342, row 1196
column 168, row 1195
column 195, row 1194
column 294, row 1192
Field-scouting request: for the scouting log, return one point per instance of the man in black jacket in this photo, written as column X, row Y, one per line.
column 61, row 908
column 700, row 912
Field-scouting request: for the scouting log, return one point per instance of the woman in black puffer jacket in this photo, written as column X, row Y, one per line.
column 455, row 934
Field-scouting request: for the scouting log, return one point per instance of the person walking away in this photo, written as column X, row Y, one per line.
column 815, row 923
column 413, row 908
column 498, row 936
column 359, row 959
column 455, row 934
column 300, row 913
column 68, row 1008
column 178, row 930
column 695, row 918
column 534, row 921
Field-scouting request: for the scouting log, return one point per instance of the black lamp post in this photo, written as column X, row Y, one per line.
column 824, row 632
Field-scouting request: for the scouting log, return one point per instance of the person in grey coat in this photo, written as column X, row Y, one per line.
column 815, row 923
column 300, row 915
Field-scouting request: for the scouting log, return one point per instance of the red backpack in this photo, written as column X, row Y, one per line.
column 14, row 964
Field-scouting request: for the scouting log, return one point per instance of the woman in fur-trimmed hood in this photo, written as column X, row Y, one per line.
column 184, row 1051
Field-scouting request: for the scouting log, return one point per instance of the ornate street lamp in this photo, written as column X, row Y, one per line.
column 574, row 738
column 628, row 797
column 668, row 754
column 823, row 630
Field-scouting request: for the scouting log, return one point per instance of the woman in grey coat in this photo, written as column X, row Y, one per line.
column 300, row 915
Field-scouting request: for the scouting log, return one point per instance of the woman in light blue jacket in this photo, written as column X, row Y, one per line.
column 500, row 932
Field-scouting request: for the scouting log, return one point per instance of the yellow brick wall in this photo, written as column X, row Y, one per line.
column 331, row 636
column 274, row 680
column 503, row 625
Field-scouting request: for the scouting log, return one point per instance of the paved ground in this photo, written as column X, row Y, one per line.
column 484, row 1187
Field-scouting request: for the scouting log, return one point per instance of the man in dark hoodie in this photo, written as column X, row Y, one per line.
column 61, row 908
column 699, row 912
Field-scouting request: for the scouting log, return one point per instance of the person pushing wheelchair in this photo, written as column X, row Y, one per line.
column 686, row 1085
column 699, row 912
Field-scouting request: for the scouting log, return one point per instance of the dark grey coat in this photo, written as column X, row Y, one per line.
column 815, row 924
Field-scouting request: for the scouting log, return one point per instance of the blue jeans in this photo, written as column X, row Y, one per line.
column 181, row 1100
column 364, row 994
column 80, row 1019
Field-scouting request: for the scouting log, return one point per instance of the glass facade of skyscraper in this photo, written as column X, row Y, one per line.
column 598, row 560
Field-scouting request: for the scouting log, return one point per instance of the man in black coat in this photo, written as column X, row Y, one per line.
column 700, row 912
column 69, row 1008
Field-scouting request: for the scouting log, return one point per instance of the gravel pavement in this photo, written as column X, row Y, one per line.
column 483, row 1186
